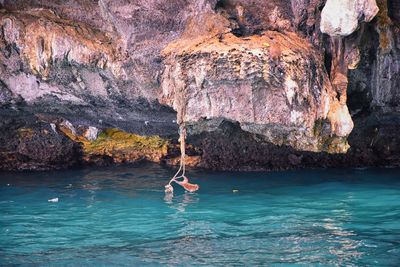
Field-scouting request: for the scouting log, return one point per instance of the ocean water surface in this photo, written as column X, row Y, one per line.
column 121, row 217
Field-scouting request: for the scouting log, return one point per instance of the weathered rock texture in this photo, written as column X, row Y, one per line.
column 260, row 84
column 273, row 84
column 43, row 38
column 341, row 17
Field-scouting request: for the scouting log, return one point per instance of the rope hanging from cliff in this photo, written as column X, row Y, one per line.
column 181, row 179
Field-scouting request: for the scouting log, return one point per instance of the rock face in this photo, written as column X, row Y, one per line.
column 259, row 84
column 28, row 143
column 273, row 84
column 341, row 17
column 44, row 38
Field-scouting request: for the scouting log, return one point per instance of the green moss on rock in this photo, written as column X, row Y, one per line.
column 115, row 139
column 121, row 146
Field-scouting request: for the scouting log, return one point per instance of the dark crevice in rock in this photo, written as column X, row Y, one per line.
column 328, row 62
column 238, row 32
column 253, row 17
column 230, row 148
column 227, row 9
column 221, row 4
column 394, row 10
column 360, row 79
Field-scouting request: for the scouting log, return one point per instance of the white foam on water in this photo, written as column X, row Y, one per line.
column 53, row 200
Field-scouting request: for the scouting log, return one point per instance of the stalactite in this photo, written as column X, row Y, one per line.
column 340, row 19
column 345, row 55
column 339, row 68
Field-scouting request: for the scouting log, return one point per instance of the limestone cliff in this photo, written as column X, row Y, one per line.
column 273, row 84
column 260, row 84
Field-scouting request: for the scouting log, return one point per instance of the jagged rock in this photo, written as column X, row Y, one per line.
column 27, row 143
column 341, row 17
column 58, row 66
column 272, row 84
column 5, row 94
column 44, row 38
column 68, row 126
column 91, row 133
column 252, row 17
column 375, row 84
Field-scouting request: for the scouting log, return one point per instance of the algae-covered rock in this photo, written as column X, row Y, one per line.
column 120, row 146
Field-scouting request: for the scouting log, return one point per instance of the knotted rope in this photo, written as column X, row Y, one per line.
column 181, row 179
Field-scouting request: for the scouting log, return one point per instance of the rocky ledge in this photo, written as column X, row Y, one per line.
column 260, row 85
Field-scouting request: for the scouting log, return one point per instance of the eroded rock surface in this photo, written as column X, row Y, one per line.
column 43, row 38
column 341, row 17
column 273, row 84
column 258, row 83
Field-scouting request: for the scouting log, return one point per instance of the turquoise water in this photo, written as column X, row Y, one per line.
column 120, row 217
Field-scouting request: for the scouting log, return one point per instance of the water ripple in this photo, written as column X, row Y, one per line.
column 121, row 217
